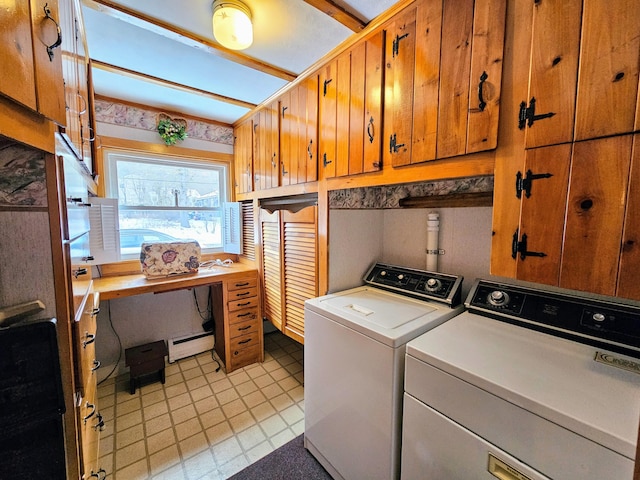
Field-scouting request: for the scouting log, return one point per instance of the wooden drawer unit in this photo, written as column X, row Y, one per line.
column 239, row 340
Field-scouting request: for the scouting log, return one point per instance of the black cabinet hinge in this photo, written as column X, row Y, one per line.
column 521, row 247
column 524, row 184
column 396, row 44
column 527, row 115
column 394, row 146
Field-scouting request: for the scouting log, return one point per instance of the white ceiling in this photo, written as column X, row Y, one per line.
column 162, row 54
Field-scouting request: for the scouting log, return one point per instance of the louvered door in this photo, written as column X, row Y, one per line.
column 300, row 267
column 271, row 267
column 248, row 232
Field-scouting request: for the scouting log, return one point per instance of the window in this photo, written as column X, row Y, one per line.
column 163, row 199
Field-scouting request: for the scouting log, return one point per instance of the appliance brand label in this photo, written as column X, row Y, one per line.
column 612, row 360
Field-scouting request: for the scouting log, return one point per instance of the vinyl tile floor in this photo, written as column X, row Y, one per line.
column 203, row 424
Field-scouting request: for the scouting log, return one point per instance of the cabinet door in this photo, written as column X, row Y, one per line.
column 455, row 64
column 400, row 52
column 595, row 214
column 299, row 241
column 288, row 136
column 266, row 160
column 555, row 44
column 609, row 64
column 49, row 83
column 542, row 213
column 628, row 284
column 343, row 107
column 271, row 267
column 308, row 169
column 327, row 118
column 17, row 79
column 365, row 116
column 243, row 157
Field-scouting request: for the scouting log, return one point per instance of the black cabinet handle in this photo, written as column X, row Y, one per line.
column 371, row 130
column 309, row 150
column 79, row 271
column 93, row 411
column 90, row 338
column 96, row 365
column 99, row 424
column 58, row 42
column 481, row 103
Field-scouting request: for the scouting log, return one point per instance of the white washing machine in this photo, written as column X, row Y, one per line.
column 354, row 357
column 528, row 384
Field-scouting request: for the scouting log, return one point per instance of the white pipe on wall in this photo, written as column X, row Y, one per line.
column 433, row 229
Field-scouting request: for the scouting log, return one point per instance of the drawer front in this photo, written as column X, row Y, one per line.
column 243, row 315
column 244, row 356
column 243, row 328
column 242, row 284
column 90, row 422
column 242, row 293
column 242, row 304
column 244, row 341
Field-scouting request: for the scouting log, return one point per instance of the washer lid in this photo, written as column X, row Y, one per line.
column 387, row 317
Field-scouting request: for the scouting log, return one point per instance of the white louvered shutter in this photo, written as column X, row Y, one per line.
column 104, row 233
column 232, row 239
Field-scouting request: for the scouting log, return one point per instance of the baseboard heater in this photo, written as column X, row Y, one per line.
column 188, row 345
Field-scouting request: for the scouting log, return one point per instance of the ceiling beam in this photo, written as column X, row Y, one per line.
column 107, row 67
column 338, row 13
column 185, row 37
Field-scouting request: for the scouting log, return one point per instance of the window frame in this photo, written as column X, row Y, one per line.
column 111, row 155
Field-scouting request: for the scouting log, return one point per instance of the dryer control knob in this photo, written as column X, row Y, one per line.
column 498, row 298
column 598, row 317
column 433, row 284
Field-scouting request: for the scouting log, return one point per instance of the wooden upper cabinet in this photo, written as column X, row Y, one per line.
column 298, row 133
column 327, row 119
column 443, row 80
column 583, row 82
column 266, row 146
column 243, row 157
column 609, row 65
column 31, row 61
column 365, row 116
column 400, row 50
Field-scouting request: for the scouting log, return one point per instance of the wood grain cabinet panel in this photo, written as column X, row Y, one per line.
column 32, row 72
column 266, row 147
column 243, row 157
column 583, row 81
column 298, row 133
column 443, row 80
column 628, row 284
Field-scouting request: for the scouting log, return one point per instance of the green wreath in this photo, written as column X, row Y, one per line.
column 171, row 131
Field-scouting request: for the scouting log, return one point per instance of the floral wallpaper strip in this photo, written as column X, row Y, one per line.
column 388, row 196
column 22, row 177
column 133, row 117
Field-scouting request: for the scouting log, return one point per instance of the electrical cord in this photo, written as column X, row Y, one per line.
column 216, row 263
column 209, row 317
column 119, row 343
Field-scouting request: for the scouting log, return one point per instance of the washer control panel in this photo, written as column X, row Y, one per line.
column 560, row 312
column 416, row 283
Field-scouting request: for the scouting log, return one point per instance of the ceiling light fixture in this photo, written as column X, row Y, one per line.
column 232, row 24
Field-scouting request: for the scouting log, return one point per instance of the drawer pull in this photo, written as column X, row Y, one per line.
column 244, row 304
column 242, row 342
column 242, row 284
column 80, row 271
column 99, row 426
column 253, row 315
column 95, row 312
column 103, row 472
column 96, row 365
column 93, row 411
column 90, row 338
column 244, row 328
column 94, row 475
column 243, row 294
